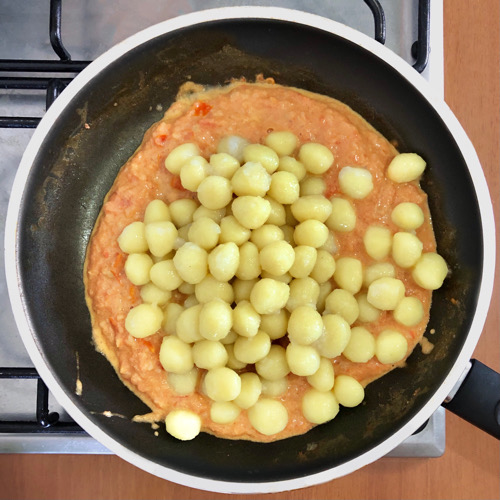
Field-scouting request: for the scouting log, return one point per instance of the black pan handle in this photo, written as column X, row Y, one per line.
column 478, row 399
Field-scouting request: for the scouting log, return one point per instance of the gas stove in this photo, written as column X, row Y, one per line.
column 43, row 46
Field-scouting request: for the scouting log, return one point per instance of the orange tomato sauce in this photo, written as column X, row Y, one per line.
column 251, row 111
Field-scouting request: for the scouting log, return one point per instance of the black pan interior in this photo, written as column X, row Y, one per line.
column 76, row 166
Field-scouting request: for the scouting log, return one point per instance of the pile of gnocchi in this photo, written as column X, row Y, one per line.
column 246, row 285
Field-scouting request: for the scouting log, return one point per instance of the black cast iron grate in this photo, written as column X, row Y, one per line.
column 46, row 421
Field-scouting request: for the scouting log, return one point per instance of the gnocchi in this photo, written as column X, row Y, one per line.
column 390, row 346
column 406, row 167
column 143, row 320
column 348, row 391
column 386, row 293
column 284, row 187
column 430, row 271
column 222, row 384
column 356, row 182
column 282, row 141
column 252, row 179
column 342, row 217
column 317, row 158
column 262, row 154
column 268, row 416
column 319, row 406
column 269, row 269
column 183, row 424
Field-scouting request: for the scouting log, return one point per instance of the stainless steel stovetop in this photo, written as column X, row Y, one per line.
column 88, row 29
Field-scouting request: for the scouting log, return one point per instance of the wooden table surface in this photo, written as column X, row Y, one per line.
column 470, row 466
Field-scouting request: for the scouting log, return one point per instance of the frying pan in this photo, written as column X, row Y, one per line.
column 95, row 126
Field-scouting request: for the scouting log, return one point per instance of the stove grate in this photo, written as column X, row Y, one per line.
column 46, row 421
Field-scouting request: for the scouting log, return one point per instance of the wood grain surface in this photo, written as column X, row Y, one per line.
column 470, row 466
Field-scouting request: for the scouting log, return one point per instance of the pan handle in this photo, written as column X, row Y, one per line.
column 477, row 400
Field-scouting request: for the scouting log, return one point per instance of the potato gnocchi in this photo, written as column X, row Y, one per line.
column 248, row 276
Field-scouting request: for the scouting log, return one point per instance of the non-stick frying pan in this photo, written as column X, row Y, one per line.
column 98, row 122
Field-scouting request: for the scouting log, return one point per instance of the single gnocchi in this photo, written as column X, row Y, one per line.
column 180, row 155
column 165, row 276
column 409, row 312
column 386, row 293
column 268, row 296
column 277, row 258
column 209, row 354
column 378, row 242
column 223, row 261
column 311, row 232
column 249, row 264
column 191, row 262
column 302, row 292
column 273, row 366
column 305, row 325
column 408, row 216
column 267, row 234
column 216, row 319
column 342, row 302
column 205, row 233
column 335, row 337
column 313, row 206
column 304, row 261
column 184, row 383
column 251, row 389
column 224, row 412
column 406, row 167
column 252, row 179
column 406, row 249
column 215, row 192
column 348, row 391
column 233, row 145
column 133, row 238
column 317, row 158
column 222, row 384
column 349, row 274
column 342, row 217
column 262, row 154
column 137, row 268
column 160, row 237
column 312, row 185
column 283, row 142
column 390, row 346
column 193, row 172
column 356, row 182
column 303, row 360
column 324, row 377
column 246, row 320
column 252, row 349
column 143, row 320
column 361, row 345
column 430, row 271
column 251, row 211
column 223, row 164
column 268, row 416
column 182, row 211
column 156, row 210
column 175, row 355
column 284, row 187
column 184, row 425
column 319, row 406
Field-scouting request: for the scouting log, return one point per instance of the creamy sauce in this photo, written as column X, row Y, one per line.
column 251, row 111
